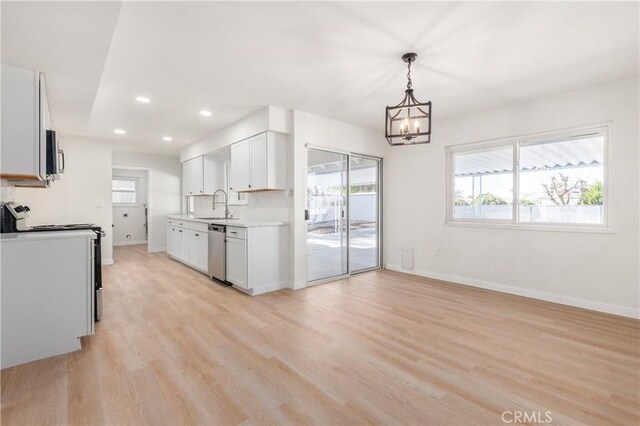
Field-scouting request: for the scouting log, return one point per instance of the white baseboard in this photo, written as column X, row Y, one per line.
column 107, row 262
column 526, row 292
column 157, row 249
column 129, row 243
column 298, row 285
column 262, row 289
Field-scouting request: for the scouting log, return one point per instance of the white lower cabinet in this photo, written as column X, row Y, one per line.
column 198, row 249
column 188, row 243
column 172, row 239
column 257, row 258
column 237, row 261
column 182, row 245
column 48, row 304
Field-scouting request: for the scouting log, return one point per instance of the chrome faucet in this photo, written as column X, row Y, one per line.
column 227, row 215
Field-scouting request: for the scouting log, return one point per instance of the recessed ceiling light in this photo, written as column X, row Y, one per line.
column 205, row 113
column 167, row 138
column 143, row 99
column 119, row 131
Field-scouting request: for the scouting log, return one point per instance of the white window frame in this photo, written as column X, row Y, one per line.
column 516, row 142
column 137, row 190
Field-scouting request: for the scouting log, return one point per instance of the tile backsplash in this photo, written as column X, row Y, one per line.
column 268, row 205
column 7, row 191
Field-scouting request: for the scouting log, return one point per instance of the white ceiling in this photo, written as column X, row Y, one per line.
column 339, row 60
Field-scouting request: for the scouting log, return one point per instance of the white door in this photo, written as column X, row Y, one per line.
column 240, row 166
column 192, row 173
column 258, row 162
column 210, row 174
column 237, row 262
column 198, row 249
column 182, row 245
column 171, row 240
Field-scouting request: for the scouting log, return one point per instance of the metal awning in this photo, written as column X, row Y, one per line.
column 557, row 155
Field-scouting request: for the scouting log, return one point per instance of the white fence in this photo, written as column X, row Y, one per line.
column 558, row 214
column 326, row 209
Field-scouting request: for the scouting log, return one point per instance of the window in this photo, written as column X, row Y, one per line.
column 555, row 179
column 484, row 184
column 124, row 190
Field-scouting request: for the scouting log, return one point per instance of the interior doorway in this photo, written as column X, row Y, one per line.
column 130, row 203
column 343, row 214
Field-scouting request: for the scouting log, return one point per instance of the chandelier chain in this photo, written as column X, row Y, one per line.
column 409, row 82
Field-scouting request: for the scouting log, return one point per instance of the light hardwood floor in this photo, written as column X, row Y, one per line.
column 382, row 347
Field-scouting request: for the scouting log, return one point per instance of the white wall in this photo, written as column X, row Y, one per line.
column 129, row 220
column 268, row 118
column 164, row 180
column 82, row 195
column 596, row 271
column 329, row 134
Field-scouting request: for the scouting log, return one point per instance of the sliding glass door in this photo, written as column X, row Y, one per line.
column 343, row 214
column 327, row 177
column 364, row 213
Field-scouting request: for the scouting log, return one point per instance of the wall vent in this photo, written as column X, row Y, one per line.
column 407, row 259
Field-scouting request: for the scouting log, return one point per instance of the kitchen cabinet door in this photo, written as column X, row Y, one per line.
column 237, row 262
column 240, row 166
column 23, row 135
column 258, row 162
column 171, row 240
column 210, row 173
column 193, row 176
column 182, row 245
column 198, row 249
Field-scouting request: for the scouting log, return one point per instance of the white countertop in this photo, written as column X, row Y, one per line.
column 232, row 222
column 47, row 235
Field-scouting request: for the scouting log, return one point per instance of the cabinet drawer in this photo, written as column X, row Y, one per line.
column 198, row 226
column 236, row 232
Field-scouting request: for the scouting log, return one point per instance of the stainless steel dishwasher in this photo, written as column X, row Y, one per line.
column 217, row 252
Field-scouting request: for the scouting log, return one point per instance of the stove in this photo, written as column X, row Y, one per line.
column 13, row 217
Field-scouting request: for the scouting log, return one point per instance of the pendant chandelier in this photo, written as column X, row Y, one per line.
column 409, row 122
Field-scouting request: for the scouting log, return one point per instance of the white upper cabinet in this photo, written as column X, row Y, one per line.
column 259, row 163
column 201, row 175
column 211, row 175
column 25, row 121
column 240, row 166
column 193, row 176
